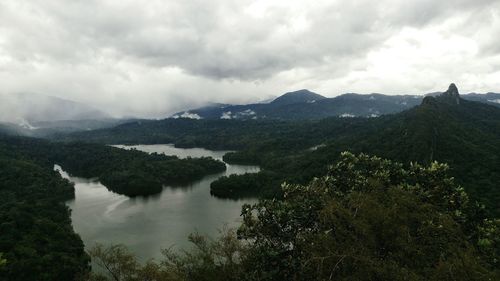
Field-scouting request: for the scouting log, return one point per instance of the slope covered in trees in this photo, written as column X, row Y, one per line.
column 464, row 135
column 36, row 236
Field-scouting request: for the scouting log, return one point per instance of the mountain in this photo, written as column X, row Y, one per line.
column 446, row 128
column 38, row 116
column 300, row 96
column 304, row 104
column 489, row 98
column 26, row 107
column 211, row 111
column 450, row 129
column 55, row 128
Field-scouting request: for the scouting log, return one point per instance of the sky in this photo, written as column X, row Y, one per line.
column 152, row 58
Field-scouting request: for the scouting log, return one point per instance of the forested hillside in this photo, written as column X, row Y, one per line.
column 36, row 236
column 464, row 135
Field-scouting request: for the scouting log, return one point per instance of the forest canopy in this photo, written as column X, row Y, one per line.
column 37, row 240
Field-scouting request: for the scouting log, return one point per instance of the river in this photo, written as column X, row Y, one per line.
column 148, row 224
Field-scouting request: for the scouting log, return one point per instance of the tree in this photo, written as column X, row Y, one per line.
column 2, row 261
column 218, row 259
column 368, row 219
column 116, row 261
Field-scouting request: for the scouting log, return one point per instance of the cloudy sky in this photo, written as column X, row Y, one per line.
column 149, row 58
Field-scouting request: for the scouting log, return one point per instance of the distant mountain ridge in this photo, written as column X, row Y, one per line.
column 35, row 115
column 304, row 104
column 39, row 108
column 50, row 128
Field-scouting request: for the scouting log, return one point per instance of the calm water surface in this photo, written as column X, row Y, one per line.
column 148, row 224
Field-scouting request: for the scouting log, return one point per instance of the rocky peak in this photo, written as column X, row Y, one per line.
column 452, row 89
column 452, row 95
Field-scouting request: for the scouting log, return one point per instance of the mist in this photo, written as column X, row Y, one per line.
column 27, row 107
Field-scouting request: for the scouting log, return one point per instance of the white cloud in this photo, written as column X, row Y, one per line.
column 226, row 115
column 157, row 57
column 188, row 115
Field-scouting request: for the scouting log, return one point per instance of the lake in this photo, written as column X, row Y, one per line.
column 148, row 224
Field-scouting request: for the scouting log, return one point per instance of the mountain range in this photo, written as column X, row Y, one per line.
column 38, row 115
column 304, row 104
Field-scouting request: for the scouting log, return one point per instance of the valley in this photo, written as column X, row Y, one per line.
column 131, row 188
column 187, row 140
column 464, row 135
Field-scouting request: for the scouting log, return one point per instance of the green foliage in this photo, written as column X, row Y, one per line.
column 116, row 261
column 246, row 157
column 488, row 240
column 247, row 185
column 2, row 260
column 367, row 219
column 36, row 236
column 208, row 260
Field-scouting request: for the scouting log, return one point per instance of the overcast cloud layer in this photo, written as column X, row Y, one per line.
column 150, row 58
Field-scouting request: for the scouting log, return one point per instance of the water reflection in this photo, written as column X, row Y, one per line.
column 169, row 149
